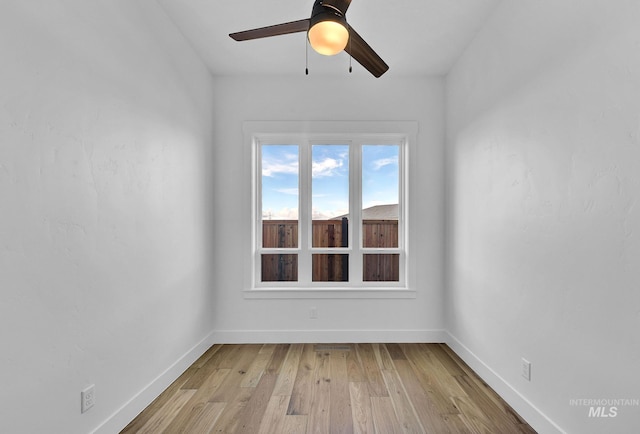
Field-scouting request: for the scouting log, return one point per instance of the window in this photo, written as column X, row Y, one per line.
column 329, row 210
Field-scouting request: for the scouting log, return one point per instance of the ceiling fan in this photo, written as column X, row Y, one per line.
column 328, row 34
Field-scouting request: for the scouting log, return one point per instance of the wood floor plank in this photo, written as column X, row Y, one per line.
column 484, row 387
column 340, row 418
column 382, row 356
column 371, row 370
column 198, row 401
column 210, row 385
column 318, row 422
column 354, row 366
column 297, row 388
column 402, row 406
column 228, row 421
column 252, row 414
column 225, row 358
column 295, row 424
column 439, row 372
column 499, row 419
column 259, row 365
column 475, row 417
column 300, row 402
column 228, row 356
column 162, row 418
column 384, row 417
column 289, row 370
column 458, row 424
column 274, row 415
column 361, row 408
column 426, row 409
column 232, row 381
column 396, row 352
column 205, row 420
column 439, row 389
column 277, row 360
column 445, row 360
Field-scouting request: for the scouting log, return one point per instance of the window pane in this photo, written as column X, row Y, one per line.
column 380, row 195
column 330, row 268
column 380, row 233
column 331, row 233
column 280, row 268
column 330, row 195
column 280, row 233
column 381, row 268
column 280, row 173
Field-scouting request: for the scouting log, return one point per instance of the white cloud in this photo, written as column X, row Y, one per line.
column 379, row 164
column 326, row 167
column 323, row 214
column 291, row 191
column 281, row 214
column 272, row 168
column 292, row 214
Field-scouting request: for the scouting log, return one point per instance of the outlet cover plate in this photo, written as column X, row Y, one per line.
column 88, row 398
column 526, row 369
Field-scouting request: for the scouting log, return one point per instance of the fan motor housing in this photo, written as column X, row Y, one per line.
column 322, row 12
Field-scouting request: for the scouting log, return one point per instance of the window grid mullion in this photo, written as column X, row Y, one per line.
column 257, row 203
column 402, row 208
column 355, row 206
column 304, row 218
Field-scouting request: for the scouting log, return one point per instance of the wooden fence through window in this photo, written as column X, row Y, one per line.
column 330, row 267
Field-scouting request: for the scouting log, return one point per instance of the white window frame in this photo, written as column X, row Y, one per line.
column 306, row 134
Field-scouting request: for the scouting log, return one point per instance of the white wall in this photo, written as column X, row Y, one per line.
column 543, row 186
column 300, row 98
column 105, row 130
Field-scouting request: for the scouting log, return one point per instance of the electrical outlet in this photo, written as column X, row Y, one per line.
column 313, row 313
column 526, row 369
column 88, row 397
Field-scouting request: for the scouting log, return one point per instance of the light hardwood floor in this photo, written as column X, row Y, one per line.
column 308, row 388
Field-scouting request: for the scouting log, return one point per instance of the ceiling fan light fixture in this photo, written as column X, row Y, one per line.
column 328, row 34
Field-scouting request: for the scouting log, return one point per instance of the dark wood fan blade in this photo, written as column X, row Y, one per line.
column 364, row 54
column 276, row 30
column 341, row 5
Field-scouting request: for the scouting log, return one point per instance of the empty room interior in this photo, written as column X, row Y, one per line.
column 143, row 224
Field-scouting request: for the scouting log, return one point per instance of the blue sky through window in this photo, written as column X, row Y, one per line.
column 380, row 175
column 330, row 179
column 280, row 169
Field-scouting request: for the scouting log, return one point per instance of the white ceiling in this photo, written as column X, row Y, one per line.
column 414, row 37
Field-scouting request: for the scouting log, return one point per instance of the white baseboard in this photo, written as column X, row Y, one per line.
column 142, row 399
column 327, row 336
column 534, row 417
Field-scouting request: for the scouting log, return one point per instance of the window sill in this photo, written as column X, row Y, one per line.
column 329, row 293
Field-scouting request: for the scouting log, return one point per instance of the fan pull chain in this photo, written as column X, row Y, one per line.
column 350, row 56
column 306, row 54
